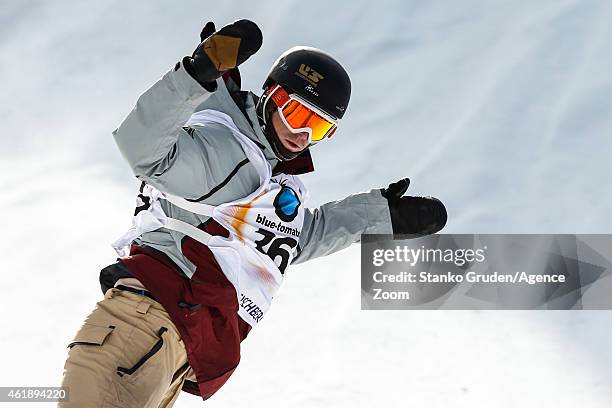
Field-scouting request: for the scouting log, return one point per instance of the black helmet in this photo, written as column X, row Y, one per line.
column 313, row 75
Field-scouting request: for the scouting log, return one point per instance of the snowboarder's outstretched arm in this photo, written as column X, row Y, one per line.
column 336, row 225
column 151, row 137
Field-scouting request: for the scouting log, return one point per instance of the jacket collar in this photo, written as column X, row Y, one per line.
column 246, row 103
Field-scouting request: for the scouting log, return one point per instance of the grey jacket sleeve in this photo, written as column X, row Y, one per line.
column 151, row 137
column 336, row 225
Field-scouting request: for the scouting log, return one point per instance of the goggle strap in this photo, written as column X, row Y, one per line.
column 280, row 96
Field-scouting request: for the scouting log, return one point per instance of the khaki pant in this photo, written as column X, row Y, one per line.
column 127, row 354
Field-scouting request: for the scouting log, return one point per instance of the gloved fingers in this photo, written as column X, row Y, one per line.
column 222, row 50
column 417, row 216
column 232, row 45
column 236, row 42
column 434, row 213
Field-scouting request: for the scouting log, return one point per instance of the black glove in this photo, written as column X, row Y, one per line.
column 413, row 216
column 222, row 50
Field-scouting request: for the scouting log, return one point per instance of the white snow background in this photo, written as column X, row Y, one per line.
column 499, row 108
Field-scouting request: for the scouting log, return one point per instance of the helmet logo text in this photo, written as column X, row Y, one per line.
column 311, row 89
column 309, row 74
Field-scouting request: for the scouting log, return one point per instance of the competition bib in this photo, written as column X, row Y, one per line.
column 264, row 227
column 264, row 233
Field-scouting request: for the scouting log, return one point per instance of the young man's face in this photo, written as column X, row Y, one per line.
column 294, row 142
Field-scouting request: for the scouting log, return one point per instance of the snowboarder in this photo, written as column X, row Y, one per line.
column 219, row 218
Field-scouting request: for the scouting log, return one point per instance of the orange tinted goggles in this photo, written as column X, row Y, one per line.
column 300, row 116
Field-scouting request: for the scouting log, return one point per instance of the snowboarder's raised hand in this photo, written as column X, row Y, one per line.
column 416, row 216
column 222, row 50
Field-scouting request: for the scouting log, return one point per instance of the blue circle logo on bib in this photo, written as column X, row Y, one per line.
column 286, row 204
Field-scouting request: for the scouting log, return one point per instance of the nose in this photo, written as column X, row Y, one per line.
column 301, row 137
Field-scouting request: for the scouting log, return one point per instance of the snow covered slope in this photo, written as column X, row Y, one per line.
column 501, row 108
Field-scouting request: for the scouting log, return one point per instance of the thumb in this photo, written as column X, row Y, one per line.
column 396, row 190
column 207, row 31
